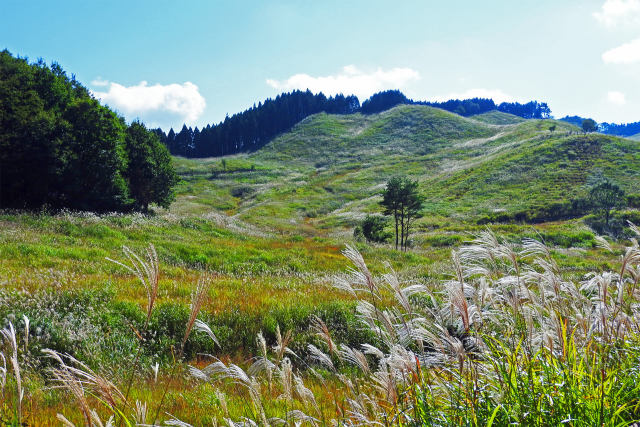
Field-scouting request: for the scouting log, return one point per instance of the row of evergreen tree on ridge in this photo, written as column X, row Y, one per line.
column 253, row 128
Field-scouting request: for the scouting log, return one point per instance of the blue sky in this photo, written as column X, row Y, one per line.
column 168, row 62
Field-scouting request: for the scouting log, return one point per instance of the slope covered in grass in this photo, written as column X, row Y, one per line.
column 328, row 171
column 635, row 137
column 404, row 129
column 496, row 117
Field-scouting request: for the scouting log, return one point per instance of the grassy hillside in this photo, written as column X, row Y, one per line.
column 496, row 117
column 327, row 172
column 324, row 140
column 635, row 137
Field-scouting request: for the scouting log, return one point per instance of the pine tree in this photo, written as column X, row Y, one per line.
column 402, row 200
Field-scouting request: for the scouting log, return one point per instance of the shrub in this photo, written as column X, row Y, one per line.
column 372, row 228
column 242, row 191
column 442, row 240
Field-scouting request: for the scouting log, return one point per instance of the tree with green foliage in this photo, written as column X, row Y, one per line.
column 402, row 200
column 59, row 148
column 605, row 197
column 150, row 174
column 589, row 125
column 95, row 160
column 391, row 202
column 411, row 209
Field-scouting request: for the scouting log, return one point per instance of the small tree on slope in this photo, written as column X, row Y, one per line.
column 401, row 200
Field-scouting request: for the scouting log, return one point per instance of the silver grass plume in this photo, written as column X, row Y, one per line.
column 9, row 334
column 146, row 271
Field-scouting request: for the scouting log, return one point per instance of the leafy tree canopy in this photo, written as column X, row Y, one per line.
column 60, row 148
column 402, row 200
column 606, row 196
column 382, row 101
column 589, row 125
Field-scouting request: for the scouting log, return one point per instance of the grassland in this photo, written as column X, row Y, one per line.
column 271, row 225
column 326, row 173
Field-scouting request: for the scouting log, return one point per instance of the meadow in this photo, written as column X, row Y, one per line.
column 467, row 328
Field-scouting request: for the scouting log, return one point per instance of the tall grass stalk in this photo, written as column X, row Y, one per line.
column 197, row 300
column 148, row 273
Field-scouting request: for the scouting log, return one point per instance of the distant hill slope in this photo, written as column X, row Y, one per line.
column 635, row 137
column 328, row 171
column 251, row 129
column 324, row 139
column 574, row 120
column 498, row 118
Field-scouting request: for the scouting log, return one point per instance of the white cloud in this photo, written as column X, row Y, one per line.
column 618, row 12
column 497, row 95
column 350, row 81
column 616, row 98
column 627, row 53
column 157, row 105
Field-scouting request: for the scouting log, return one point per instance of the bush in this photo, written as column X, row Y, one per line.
column 443, row 240
column 242, row 192
column 555, row 211
column 372, row 229
column 570, row 239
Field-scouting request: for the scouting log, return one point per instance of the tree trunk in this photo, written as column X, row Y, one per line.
column 402, row 228
column 395, row 216
column 406, row 234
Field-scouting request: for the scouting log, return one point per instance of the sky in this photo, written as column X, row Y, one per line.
column 168, row 62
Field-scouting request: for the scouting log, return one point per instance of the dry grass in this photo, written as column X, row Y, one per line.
column 507, row 337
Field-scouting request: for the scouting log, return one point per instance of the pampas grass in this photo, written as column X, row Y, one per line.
column 506, row 338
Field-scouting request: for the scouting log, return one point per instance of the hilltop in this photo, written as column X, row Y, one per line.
column 251, row 129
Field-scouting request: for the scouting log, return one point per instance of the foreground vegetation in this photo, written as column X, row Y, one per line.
column 508, row 337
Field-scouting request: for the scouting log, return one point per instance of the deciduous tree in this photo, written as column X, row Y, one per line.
column 605, row 197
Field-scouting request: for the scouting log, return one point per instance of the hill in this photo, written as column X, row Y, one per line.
column 635, row 137
column 327, row 172
column 253, row 128
column 574, row 120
